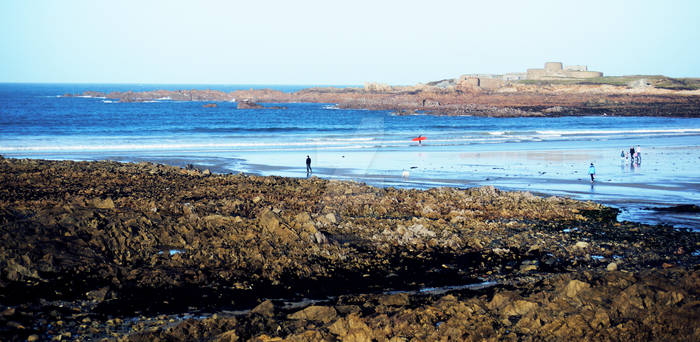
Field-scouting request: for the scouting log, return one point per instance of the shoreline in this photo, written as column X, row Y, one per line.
column 510, row 100
column 633, row 191
column 664, row 179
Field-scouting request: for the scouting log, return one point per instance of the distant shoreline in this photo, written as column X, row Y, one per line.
column 516, row 99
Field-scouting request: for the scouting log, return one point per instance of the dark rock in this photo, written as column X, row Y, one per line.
column 247, row 104
column 323, row 314
column 399, row 299
column 682, row 208
column 98, row 295
column 102, row 239
column 266, row 308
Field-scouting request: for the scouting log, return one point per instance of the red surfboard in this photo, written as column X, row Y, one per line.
column 418, row 139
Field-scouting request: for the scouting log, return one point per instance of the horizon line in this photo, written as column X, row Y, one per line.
column 193, row 83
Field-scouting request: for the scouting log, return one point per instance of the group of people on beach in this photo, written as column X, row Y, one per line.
column 634, row 156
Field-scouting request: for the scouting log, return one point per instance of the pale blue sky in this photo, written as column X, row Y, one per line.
column 339, row 42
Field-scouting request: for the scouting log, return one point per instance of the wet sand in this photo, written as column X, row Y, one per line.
column 665, row 177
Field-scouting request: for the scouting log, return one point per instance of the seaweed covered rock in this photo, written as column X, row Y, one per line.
column 106, row 241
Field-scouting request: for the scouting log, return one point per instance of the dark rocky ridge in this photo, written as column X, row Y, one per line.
column 90, row 244
column 510, row 101
column 247, row 104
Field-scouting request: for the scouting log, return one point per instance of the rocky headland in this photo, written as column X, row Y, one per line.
column 146, row 252
column 615, row 96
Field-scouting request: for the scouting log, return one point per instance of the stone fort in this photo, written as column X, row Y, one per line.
column 554, row 70
column 551, row 71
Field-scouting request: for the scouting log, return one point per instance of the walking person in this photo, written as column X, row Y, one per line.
column 639, row 154
column 632, row 154
column 591, row 171
column 308, row 165
column 623, row 157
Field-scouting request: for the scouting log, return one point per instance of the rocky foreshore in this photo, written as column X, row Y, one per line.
column 510, row 100
column 146, row 252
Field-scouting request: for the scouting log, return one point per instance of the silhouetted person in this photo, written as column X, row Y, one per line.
column 632, row 155
column 308, row 165
column 638, row 151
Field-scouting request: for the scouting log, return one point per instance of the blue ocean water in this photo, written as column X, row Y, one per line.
column 35, row 119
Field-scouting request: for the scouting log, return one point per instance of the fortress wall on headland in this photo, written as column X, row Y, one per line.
column 490, row 83
column 515, row 76
column 576, row 68
column 468, row 80
column 551, row 71
column 553, row 66
column 583, row 74
column 554, row 70
column 471, row 82
column 535, row 74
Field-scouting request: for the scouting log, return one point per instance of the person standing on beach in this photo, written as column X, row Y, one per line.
column 308, row 165
column 632, row 154
column 623, row 157
column 639, row 154
column 591, row 171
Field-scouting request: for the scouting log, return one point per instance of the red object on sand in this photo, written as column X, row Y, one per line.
column 418, row 139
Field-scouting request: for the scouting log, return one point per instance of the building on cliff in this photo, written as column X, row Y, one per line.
column 551, row 71
column 479, row 81
column 555, row 70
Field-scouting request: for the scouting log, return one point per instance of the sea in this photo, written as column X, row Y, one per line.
column 544, row 155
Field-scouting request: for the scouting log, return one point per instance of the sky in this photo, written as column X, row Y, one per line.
column 324, row 42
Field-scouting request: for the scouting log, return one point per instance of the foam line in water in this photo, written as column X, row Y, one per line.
column 634, row 131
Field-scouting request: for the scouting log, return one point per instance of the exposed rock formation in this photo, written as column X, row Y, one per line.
column 466, row 96
column 248, row 104
column 594, row 305
column 85, row 247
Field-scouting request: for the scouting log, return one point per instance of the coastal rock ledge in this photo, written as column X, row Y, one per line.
column 509, row 100
column 146, row 252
